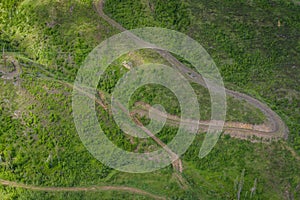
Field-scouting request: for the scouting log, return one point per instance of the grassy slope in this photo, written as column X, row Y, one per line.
column 256, row 46
column 43, row 148
column 212, row 177
column 236, row 110
column 254, row 54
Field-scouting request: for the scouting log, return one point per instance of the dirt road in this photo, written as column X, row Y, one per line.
column 278, row 127
column 80, row 189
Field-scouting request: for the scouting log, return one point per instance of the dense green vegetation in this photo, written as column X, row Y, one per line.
column 38, row 141
column 132, row 14
column 237, row 110
column 58, row 34
column 255, row 44
column 106, row 195
column 156, row 94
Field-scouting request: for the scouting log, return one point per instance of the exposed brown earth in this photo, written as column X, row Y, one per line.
column 235, row 129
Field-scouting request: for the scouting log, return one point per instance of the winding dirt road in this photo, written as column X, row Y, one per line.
column 277, row 126
column 235, row 129
column 278, row 129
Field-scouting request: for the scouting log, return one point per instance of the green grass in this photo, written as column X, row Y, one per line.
column 56, row 34
column 253, row 53
column 156, row 94
column 42, row 147
column 29, row 195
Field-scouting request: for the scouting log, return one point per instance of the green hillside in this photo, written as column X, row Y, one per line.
column 255, row 44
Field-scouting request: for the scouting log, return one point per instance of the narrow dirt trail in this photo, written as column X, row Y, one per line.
column 80, row 189
column 177, row 163
column 279, row 129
